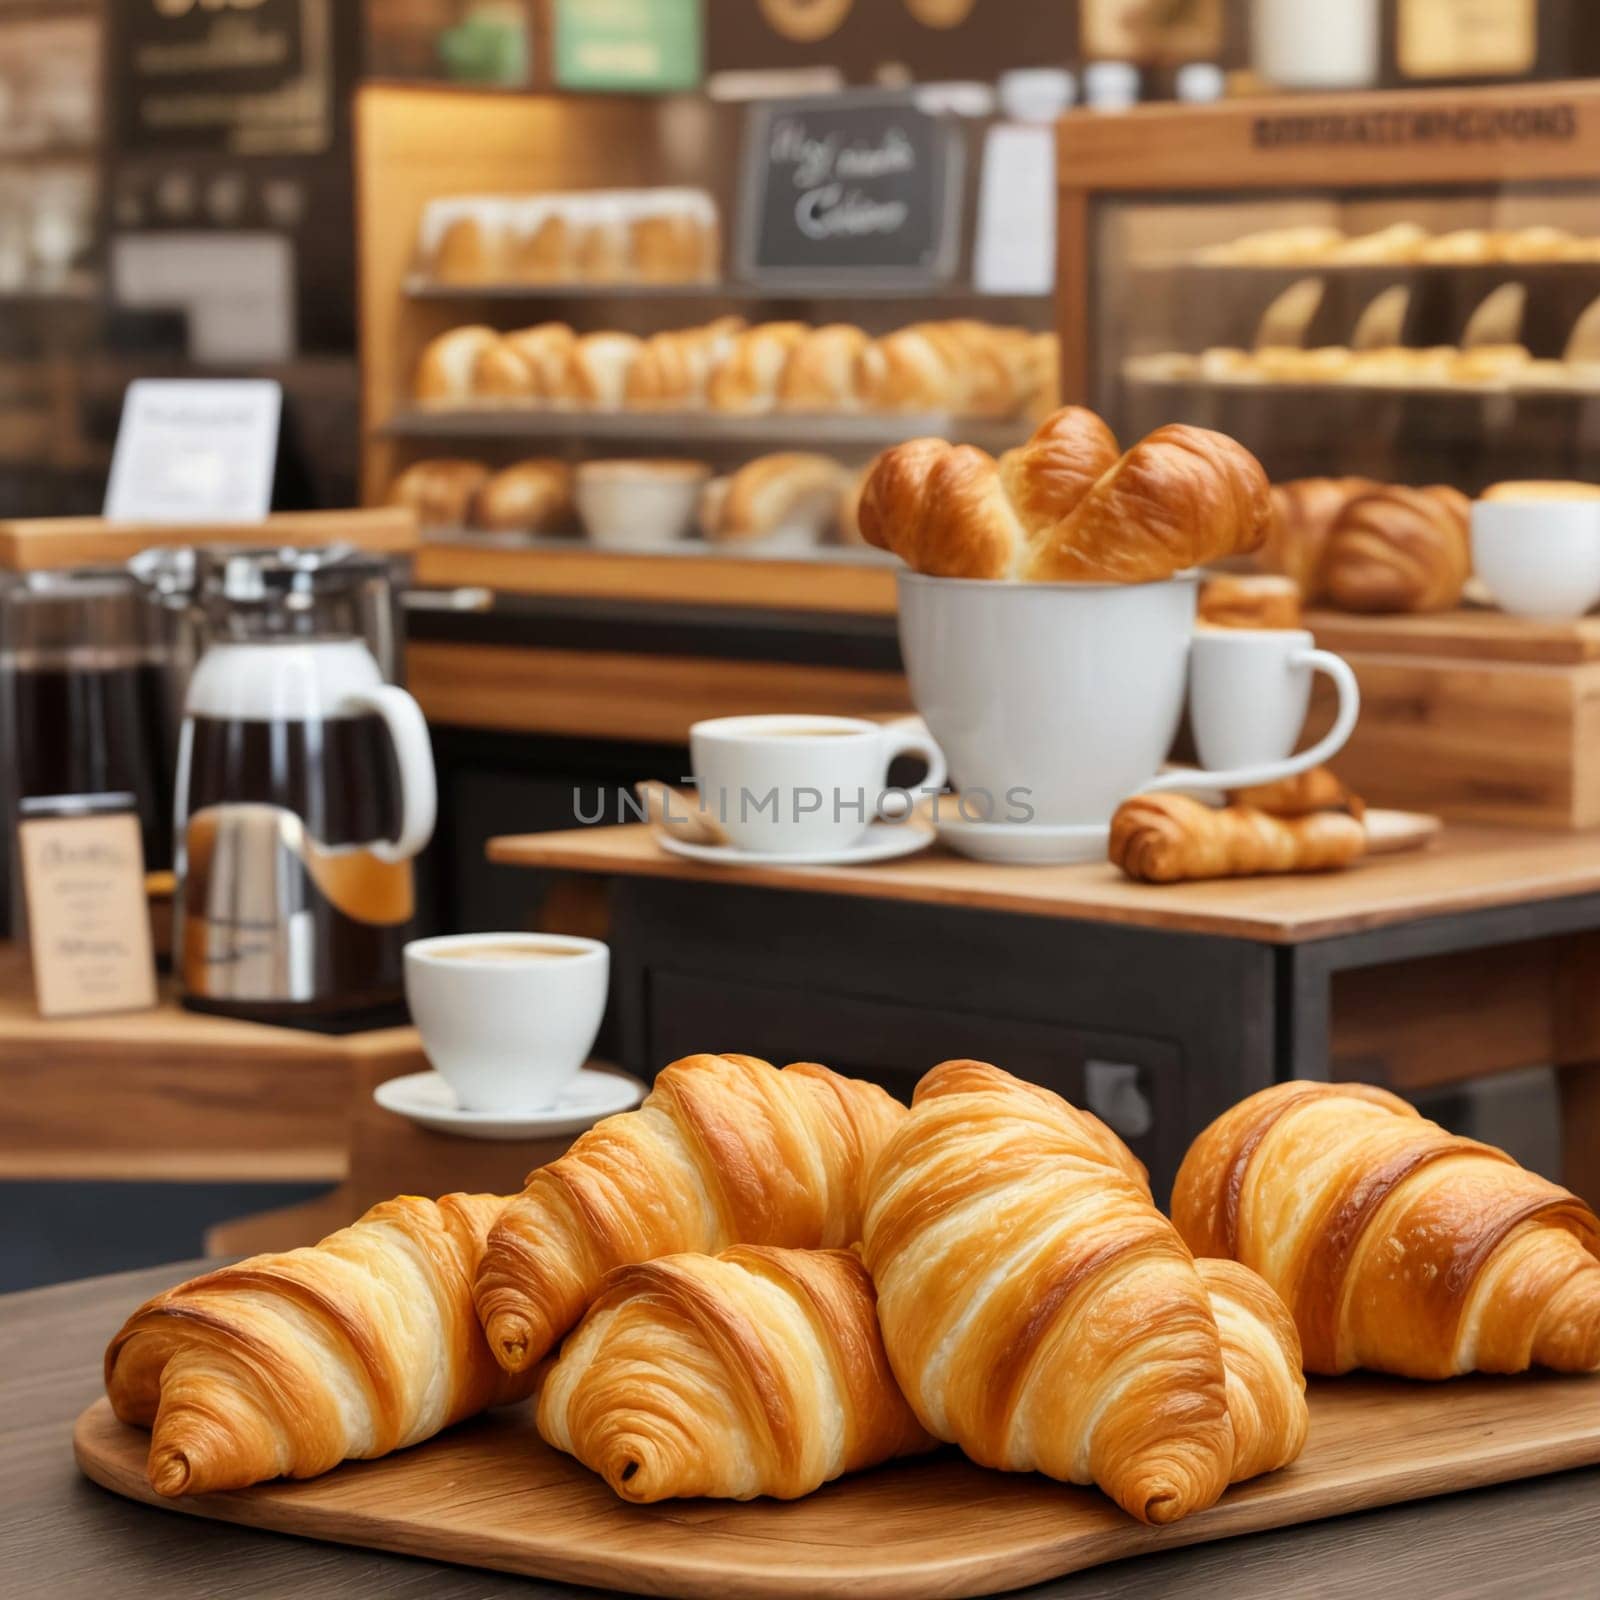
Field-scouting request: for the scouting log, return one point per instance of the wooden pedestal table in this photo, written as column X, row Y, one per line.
column 1156, row 1007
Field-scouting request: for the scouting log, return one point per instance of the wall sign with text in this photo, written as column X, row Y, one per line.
column 256, row 75
column 850, row 189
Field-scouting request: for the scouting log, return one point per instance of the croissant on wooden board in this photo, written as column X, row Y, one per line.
column 1397, row 1246
column 1040, row 1312
column 753, row 1372
column 725, row 1150
column 1068, row 506
column 286, row 1365
column 1170, row 838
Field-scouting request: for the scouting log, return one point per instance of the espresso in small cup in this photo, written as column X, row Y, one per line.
column 803, row 785
column 508, row 1020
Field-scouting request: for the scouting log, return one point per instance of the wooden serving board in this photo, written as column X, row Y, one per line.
column 491, row 1494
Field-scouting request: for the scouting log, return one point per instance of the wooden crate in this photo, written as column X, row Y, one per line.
column 1473, row 715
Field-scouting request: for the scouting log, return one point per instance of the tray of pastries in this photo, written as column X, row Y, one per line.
column 953, row 1348
column 613, row 236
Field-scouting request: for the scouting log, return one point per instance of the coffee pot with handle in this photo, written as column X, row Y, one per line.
column 305, row 792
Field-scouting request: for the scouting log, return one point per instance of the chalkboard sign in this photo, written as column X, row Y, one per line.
column 850, row 189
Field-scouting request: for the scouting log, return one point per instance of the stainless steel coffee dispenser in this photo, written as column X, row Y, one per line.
column 305, row 790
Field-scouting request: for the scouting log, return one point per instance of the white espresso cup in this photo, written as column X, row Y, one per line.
column 803, row 785
column 1539, row 557
column 507, row 1019
column 1249, row 693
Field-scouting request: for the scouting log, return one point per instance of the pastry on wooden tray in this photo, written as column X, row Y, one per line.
column 1250, row 600
column 1171, row 838
column 1068, row 506
column 1398, row 1247
column 725, row 1150
column 286, row 1365
column 753, row 1372
column 1041, row 1313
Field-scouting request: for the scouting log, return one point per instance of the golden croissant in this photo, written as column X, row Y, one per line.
column 1397, row 1246
column 1169, row 838
column 286, row 1365
column 1066, row 506
column 753, row 1372
column 1398, row 550
column 725, row 1150
column 1041, row 1313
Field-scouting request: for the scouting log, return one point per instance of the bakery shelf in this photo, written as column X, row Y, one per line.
column 419, row 287
column 786, row 430
column 1434, row 391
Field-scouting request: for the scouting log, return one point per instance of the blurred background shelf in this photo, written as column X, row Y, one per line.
column 422, row 288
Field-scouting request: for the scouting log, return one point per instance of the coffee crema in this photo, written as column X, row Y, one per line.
column 505, row 952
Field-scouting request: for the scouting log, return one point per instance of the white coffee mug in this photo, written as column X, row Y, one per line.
column 1064, row 698
column 507, row 1019
column 1538, row 557
column 803, row 785
column 1249, row 693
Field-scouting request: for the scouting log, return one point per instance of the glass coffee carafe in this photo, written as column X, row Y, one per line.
column 91, row 671
column 305, row 791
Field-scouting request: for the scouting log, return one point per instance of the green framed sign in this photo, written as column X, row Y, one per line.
column 643, row 46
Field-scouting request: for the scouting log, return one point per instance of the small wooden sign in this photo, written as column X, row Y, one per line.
column 88, row 918
column 850, row 189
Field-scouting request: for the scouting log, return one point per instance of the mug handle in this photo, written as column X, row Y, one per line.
column 1338, row 737
column 910, row 737
column 413, row 753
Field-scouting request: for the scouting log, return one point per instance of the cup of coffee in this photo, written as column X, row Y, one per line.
column 508, row 1019
column 1056, row 701
column 801, row 785
column 1537, row 548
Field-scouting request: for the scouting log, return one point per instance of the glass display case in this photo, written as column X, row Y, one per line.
column 1349, row 286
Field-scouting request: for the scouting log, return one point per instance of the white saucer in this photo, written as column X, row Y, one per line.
column 430, row 1102
column 884, row 842
column 1025, row 844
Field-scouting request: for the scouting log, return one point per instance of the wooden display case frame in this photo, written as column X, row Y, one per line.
column 1402, row 139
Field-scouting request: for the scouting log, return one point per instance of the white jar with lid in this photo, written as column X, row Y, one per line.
column 1317, row 44
column 1111, row 85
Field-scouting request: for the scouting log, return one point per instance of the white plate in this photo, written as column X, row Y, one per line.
column 430, row 1102
column 885, row 842
column 1019, row 844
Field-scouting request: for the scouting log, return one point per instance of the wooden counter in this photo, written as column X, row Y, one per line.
column 170, row 1095
column 1469, row 869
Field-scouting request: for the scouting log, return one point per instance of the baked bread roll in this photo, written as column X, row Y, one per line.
column 1397, row 1246
column 596, row 373
column 1041, row 1313
column 748, row 378
column 471, row 250
column 447, row 372
column 1250, row 600
column 1398, row 550
column 1303, row 514
column 1170, row 838
column 286, row 1365
column 442, row 493
column 821, row 374
column 545, row 247
column 790, row 491
column 502, row 376
column 530, row 497
column 1064, row 508
column 725, row 1150
column 673, row 370
column 753, row 1372
column 544, row 350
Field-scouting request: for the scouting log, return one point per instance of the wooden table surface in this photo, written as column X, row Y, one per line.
column 1467, row 869
column 65, row 1538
